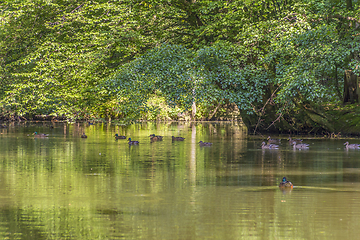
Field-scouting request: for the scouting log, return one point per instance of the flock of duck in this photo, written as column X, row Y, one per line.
column 284, row 184
column 153, row 138
column 298, row 144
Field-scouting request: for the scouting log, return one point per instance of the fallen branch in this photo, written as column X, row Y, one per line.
column 262, row 110
column 217, row 107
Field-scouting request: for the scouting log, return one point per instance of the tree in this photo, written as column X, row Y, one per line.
column 289, row 57
column 207, row 76
column 55, row 54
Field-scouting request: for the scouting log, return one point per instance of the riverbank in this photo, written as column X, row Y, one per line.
column 329, row 120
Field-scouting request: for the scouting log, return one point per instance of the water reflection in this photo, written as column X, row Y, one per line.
column 192, row 164
column 66, row 187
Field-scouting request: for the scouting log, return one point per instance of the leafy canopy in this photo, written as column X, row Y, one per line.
column 208, row 75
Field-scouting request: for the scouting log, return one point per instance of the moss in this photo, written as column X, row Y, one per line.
column 346, row 118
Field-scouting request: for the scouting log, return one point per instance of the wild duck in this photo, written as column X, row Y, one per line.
column 271, row 140
column 291, row 141
column 119, row 137
column 352, row 146
column 269, row 146
column 177, row 138
column 201, row 143
column 154, row 138
column 41, row 135
column 285, row 184
column 133, row 142
column 83, row 135
column 300, row 145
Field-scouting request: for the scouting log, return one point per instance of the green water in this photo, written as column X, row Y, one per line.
column 66, row 187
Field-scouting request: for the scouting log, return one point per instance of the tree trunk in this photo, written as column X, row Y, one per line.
column 349, row 5
column 351, row 88
column 193, row 112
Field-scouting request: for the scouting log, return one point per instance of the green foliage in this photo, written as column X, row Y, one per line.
column 107, row 59
column 208, row 76
column 309, row 65
column 161, row 69
column 55, row 54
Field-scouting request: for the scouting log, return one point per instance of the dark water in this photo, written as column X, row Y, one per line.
column 66, row 187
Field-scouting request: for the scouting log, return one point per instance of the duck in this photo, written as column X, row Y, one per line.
column 201, row 143
column 119, row 137
column 291, row 141
column 352, row 146
column 286, row 184
column 177, row 138
column 269, row 146
column 154, row 138
column 300, row 145
column 133, row 142
column 270, row 140
column 40, row 135
column 83, row 135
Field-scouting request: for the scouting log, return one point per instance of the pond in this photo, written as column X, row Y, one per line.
column 68, row 187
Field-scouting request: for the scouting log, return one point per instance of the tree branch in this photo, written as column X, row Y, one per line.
column 215, row 110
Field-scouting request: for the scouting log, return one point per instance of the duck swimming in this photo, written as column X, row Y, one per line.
column 352, row 146
column 300, row 145
column 154, row 138
column 291, row 141
column 177, row 138
column 41, row 135
column 271, row 140
column 201, row 143
column 133, row 142
column 119, row 137
column 286, row 184
column 269, row 146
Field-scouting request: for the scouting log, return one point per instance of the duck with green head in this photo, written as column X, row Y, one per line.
column 41, row 135
column 286, row 184
column 83, row 135
column 133, row 142
column 119, row 137
column 154, row 138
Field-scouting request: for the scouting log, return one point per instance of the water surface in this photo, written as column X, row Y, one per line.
column 66, row 187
